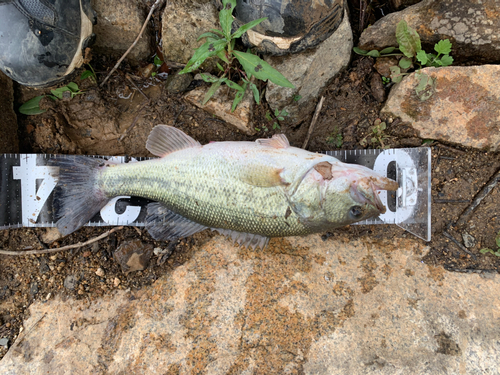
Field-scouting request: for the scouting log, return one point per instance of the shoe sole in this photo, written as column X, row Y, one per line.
column 85, row 34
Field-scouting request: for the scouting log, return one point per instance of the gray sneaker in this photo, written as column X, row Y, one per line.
column 291, row 25
column 42, row 41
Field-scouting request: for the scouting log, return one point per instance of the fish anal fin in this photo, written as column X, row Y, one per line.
column 277, row 141
column 163, row 224
column 164, row 140
column 245, row 239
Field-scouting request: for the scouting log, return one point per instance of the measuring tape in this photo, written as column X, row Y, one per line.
column 27, row 182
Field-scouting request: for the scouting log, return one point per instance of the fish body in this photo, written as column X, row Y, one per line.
column 249, row 190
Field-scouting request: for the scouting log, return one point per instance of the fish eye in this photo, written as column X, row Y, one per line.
column 356, row 212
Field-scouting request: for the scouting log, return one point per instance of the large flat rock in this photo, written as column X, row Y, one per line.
column 472, row 27
column 303, row 305
column 464, row 109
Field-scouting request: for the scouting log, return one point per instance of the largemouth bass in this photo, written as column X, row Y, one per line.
column 250, row 191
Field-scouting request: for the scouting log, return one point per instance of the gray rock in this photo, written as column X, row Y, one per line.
column 463, row 108
column 472, row 27
column 118, row 25
column 133, row 256
column 469, row 241
column 309, row 71
column 183, row 22
column 303, row 305
column 4, row 342
column 178, row 83
column 9, row 142
column 70, row 282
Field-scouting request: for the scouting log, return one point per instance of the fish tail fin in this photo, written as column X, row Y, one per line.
column 77, row 197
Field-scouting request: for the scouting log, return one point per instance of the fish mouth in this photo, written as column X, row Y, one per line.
column 365, row 190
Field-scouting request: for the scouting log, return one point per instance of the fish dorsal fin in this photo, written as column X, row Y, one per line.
column 164, row 140
column 277, row 141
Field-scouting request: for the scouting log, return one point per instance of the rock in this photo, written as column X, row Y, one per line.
column 377, row 87
column 471, row 26
column 147, row 70
column 100, row 272
column 464, row 109
column 183, row 22
column 469, row 241
column 309, row 71
column 118, row 25
column 4, row 342
column 116, row 282
column 178, row 83
column 9, row 142
column 401, row 4
column 50, row 235
column 133, row 256
column 220, row 105
column 70, row 282
column 303, row 305
column 383, row 65
column 33, row 289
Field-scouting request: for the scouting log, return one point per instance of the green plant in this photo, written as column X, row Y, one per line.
column 89, row 73
column 497, row 252
column 377, row 135
column 32, row 106
column 386, row 80
column 221, row 43
column 335, row 138
column 278, row 116
column 410, row 48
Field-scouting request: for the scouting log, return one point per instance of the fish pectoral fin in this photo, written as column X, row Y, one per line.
column 244, row 239
column 164, row 140
column 263, row 176
column 163, row 224
column 277, row 141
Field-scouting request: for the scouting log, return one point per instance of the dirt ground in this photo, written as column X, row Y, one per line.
column 350, row 109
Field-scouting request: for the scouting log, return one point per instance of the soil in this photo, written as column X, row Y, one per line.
column 93, row 122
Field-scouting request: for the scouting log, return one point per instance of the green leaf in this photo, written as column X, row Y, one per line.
column 396, row 75
column 59, row 92
column 256, row 93
column 268, row 116
column 232, row 84
column 276, row 112
column 157, row 61
column 205, row 35
column 219, row 66
column 405, row 63
column 237, row 99
column 280, row 118
column 408, row 39
column 32, row 106
column 247, row 27
column 208, row 78
column 260, row 69
column 226, row 17
column 296, row 98
column 73, row 86
column 387, row 50
column 360, row 51
column 211, row 91
column 443, row 47
column 446, row 60
column 217, row 32
column 422, row 57
column 222, row 55
column 425, row 87
column 485, row 250
column 373, row 53
column 86, row 74
column 202, row 53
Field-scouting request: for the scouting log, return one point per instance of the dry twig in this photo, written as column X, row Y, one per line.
column 69, row 247
column 313, row 122
column 153, row 7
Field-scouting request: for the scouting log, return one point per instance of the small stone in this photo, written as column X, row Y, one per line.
column 383, row 65
column 50, row 235
column 146, row 71
column 178, row 83
column 70, row 282
column 133, row 256
column 33, row 289
column 4, row 342
column 99, row 272
column 378, row 90
column 469, row 241
column 116, row 282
